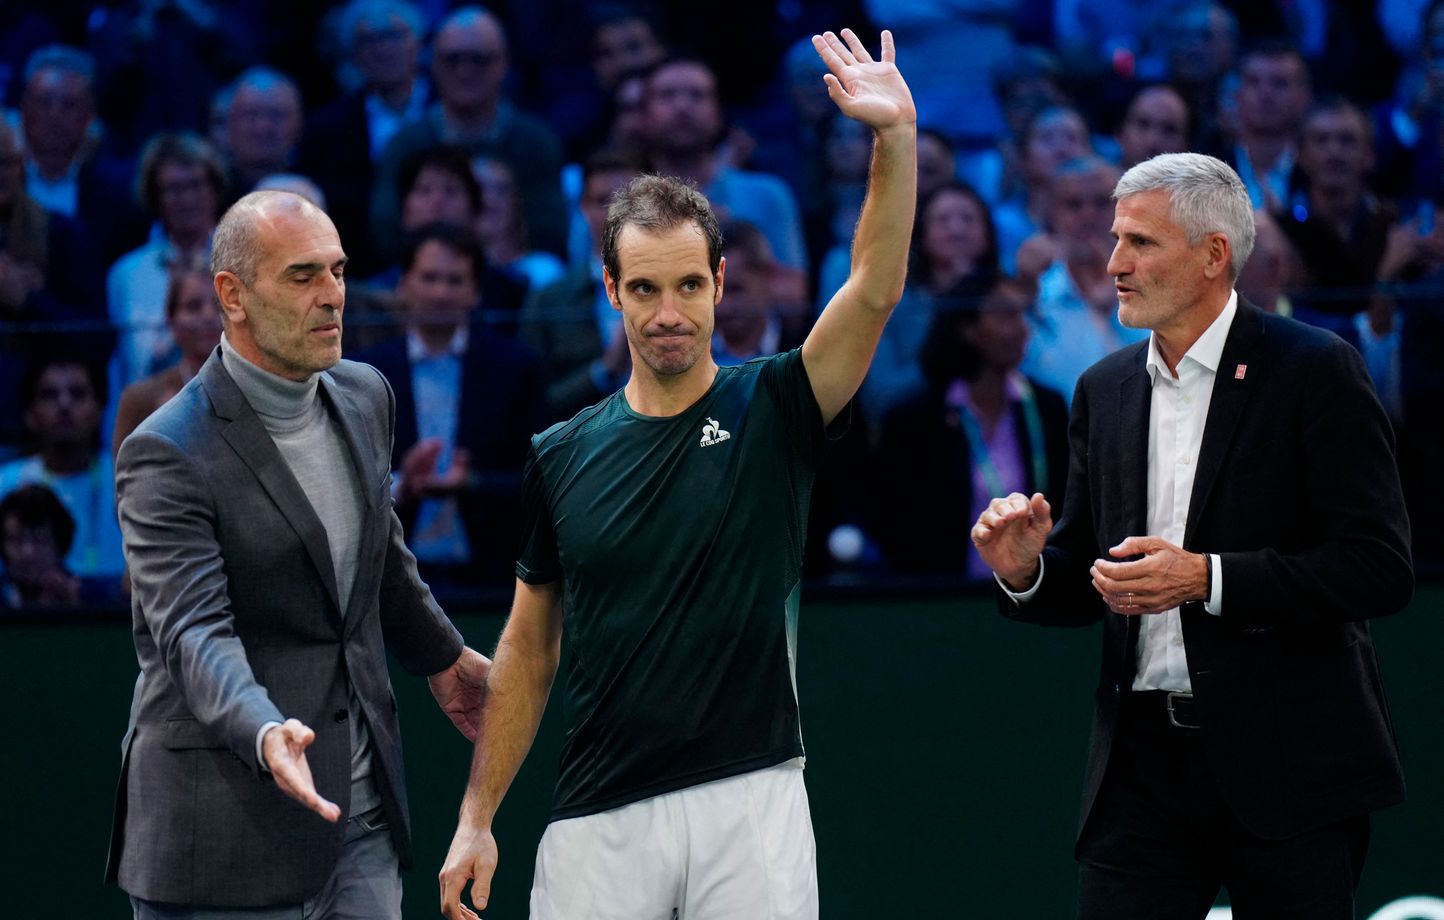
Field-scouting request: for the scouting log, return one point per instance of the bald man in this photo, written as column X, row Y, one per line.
column 262, row 770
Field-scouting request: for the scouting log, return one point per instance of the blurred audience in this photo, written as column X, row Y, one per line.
column 469, row 62
column 571, row 323
column 758, row 313
column 182, row 183
column 263, row 128
column 63, row 400
column 36, row 534
column 468, row 401
column 976, row 430
column 193, row 319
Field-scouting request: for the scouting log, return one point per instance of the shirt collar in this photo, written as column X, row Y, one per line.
column 416, row 350
column 1207, row 351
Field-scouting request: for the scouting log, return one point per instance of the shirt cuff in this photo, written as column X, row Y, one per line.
column 1214, row 604
column 1022, row 597
column 260, row 757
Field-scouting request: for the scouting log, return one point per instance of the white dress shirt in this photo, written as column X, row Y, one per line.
column 1177, row 415
column 1178, row 412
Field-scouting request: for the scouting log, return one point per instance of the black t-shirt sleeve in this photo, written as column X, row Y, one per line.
column 786, row 380
column 537, row 560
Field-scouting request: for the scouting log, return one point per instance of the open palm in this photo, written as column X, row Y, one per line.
column 872, row 92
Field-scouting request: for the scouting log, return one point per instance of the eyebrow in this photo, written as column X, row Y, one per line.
column 296, row 268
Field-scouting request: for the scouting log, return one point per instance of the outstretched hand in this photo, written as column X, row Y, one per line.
column 872, row 92
column 284, row 749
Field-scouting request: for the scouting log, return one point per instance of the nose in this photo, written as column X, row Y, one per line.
column 1116, row 265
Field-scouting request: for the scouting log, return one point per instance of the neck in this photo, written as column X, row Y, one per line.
column 989, row 395
column 436, row 337
column 470, row 119
column 1264, row 150
column 745, row 337
column 52, row 165
column 395, row 95
column 1175, row 341
column 949, row 273
column 66, row 459
column 1337, row 204
column 189, row 241
column 651, row 394
column 698, row 165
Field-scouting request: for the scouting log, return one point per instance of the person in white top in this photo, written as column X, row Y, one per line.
column 1234, row 516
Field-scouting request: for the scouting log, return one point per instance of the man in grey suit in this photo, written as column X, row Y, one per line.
column 262, row 771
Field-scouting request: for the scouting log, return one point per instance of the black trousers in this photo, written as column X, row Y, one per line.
column 1160, row 841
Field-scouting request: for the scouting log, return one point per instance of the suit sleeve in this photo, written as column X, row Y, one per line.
column 168, row 521
column 1350, row 557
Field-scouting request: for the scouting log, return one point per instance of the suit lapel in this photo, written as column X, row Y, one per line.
column 250, row 440
column 1135, row 406
column 1231, row 393
column 348, row 417
column 1135, row 400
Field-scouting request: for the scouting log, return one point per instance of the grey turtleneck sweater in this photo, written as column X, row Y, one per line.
column 311, row 443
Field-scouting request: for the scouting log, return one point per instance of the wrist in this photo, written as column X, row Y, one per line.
column 1023, row 580
column 1207, row 577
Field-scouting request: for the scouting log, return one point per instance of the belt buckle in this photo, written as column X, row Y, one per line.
column 1172, row 714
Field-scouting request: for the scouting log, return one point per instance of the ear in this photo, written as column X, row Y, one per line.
column 1219, row 257
column 610, row 284
column 229, row 294
column 721, row 271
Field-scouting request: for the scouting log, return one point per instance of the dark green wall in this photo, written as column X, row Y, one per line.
column 945, row 752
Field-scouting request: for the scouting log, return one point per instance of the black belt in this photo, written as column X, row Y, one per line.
column 1171, row 707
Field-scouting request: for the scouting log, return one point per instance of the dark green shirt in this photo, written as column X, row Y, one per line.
column 679, row 545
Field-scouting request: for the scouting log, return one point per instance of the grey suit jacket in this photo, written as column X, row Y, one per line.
column 236, row 622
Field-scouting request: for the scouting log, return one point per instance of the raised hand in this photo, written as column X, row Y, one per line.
column 284, row 748
column 872, row 92
column 1010, row 535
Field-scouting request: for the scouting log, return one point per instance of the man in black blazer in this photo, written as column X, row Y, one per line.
column 468, row 400
column 262, row 768
column 1234, row 517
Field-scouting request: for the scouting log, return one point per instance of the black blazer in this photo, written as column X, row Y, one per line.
column 921, row 507
column 502, row 406
column 1298, row 492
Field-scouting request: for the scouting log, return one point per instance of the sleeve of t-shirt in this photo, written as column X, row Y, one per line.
column 537, row 561
column 785, row 377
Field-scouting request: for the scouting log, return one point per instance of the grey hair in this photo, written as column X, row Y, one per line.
column 234, row 245
column 63, row 58
column 1205, row 196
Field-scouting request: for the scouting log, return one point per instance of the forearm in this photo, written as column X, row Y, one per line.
column 880, row 243
column 520, row 681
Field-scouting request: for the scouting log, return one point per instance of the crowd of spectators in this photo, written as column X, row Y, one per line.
column 466, row 156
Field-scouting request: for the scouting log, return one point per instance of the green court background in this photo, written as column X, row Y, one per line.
column 945, row 751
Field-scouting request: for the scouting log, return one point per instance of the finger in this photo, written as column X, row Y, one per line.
column 1135, row 546
column 834, row 89
column 1123, row 571
column 828, row 54
column 837, row 45
column 889, row 53
column 855, row 45
column 451, row 884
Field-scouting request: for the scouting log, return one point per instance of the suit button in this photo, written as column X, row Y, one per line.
column 340, row 715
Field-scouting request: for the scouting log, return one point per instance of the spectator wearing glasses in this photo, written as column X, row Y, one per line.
column 182, row 182
column 469, row 61
column 382, row 41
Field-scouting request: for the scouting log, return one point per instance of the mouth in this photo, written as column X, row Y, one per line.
column 328, row 329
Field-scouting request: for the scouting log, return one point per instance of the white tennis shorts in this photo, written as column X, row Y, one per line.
column 739, row 848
